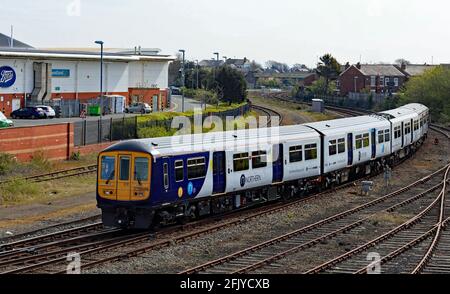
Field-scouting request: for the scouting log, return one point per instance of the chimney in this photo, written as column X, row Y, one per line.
column 358, row 65
column 403, row 66
column 140, row 51
column 347, row 65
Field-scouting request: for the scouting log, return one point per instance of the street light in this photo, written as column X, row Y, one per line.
column 217, row 63
column 197, row 72
column 182, row 79
column 101, row 75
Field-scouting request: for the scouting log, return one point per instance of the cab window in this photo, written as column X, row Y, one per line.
column 108, row 168
column 124, row 168
column 141, row 169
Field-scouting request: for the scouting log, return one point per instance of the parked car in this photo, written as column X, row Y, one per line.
column 49, row 112
column 175, row 91
column 4, row 122
column 28, row 112
column 139, row 108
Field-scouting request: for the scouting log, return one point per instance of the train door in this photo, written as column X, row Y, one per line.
column 278, row 166
column 350, row 149
column 374, row 143
column 165, row 174
column 412, row 131
column 219, row 173
column 403, row 134
column 124, row 177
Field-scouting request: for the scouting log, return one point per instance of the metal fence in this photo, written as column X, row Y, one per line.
column 63, row 108
column 89, row 132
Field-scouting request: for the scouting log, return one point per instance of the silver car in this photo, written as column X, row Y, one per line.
column 49, row 112
column 139, row 108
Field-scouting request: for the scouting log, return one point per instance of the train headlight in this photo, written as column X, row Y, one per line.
column 108, row 192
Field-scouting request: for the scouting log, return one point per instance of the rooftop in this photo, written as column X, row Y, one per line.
column 5, row 41
column 380, row 70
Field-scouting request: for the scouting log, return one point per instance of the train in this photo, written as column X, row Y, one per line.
column 161, row 181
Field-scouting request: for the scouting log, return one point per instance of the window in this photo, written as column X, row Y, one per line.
column 179, row 171
column 241, row 162
column 380, row 137
column 295, row 154
column 373, row 81
column 141, row 169
column 362, row 141
column 387, row 135
column 416, row 125
column 125, row 168
column 166, row 175
column 311, row 152
column 259, row 159
column 397, row 132
column 366, row 140
column 382, row 81
column 407, row 128
column 196, row 168
column 358, row 140
column 386, row 81
column 332, row 149
column 108, row 168
column 341, row 146
column 396, row 82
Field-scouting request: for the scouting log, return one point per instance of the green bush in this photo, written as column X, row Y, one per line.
column 154, row 132
column 6, row 162
column 17, row 191
column 76, row 156
column 40, row 161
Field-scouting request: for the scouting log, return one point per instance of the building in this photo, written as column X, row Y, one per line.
column 375, row 78
column 7, row 42
column 34, row 76
column 212, row 63
column 243, row 65
column 301, row 79
column 413, row 70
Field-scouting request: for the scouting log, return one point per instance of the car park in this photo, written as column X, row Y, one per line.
column 28, row 113
column 5, row 122
column 139, row 108
column 49, row 111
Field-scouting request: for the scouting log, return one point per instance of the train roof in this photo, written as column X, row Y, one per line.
column 416, row 107
column 239, row 140
column 346, row 125
column 399, row 113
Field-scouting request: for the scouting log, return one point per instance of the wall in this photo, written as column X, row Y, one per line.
column 347, row 81
column 56, row 141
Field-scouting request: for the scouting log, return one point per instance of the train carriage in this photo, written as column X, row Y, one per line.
column 164, row 180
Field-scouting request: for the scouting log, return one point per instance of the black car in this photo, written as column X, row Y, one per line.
column 28, row 112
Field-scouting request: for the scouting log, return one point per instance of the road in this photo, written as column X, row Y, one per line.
column 190, row 104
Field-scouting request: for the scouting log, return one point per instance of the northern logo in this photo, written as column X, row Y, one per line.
column 7, row 76
column 243, row 181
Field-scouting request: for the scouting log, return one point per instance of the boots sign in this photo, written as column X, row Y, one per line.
column 7, row 76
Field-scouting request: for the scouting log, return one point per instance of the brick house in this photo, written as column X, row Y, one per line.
column 376, row 78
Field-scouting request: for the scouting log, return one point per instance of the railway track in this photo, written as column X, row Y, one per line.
column 62, row 174
column 269, row 113
column 266, row 253
column 405, row 249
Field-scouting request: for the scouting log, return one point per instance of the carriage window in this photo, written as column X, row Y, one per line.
column 341, row 146
column 241, row 162
column 259, row 159
column 196, row 168
column 380, row 137
column 387, row 135
column 108, row 168
column 124, row 168
column 416, row 125
column 366, row 141
column 333, row 147
column 311, row 152
column 397, row 132
column 166, row 175
column 179, row 171
column 295, row 154
column 359, row 142
column 408, row 128
column 141, row 169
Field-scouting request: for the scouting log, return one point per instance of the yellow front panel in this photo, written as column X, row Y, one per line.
column 124, row 179
column 140, row 188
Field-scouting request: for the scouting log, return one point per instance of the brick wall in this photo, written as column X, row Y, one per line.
column 55, row 141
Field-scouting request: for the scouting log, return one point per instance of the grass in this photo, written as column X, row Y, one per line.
column 22, row 192
column 389, row 218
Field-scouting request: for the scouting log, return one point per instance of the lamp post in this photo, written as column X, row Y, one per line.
column 182, row 79
column 217, row 63
column 197, row 72
column 101, row 76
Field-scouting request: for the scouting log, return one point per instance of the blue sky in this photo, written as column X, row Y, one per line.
column 291, row 31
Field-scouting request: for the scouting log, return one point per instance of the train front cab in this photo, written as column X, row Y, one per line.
column 123, row 186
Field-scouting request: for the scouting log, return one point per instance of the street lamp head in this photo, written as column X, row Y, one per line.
column 99, row 42
column 182, row 50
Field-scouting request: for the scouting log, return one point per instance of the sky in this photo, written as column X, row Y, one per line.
column 289, row 31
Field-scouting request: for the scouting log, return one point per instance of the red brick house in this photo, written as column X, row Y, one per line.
column 376, row 78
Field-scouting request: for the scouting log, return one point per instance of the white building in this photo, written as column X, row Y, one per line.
column 41, row 75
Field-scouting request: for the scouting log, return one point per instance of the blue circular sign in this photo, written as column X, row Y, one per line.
column 190, row 189
column 7, row 76
column 243, row 180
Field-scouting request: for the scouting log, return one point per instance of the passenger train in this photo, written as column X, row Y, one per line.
column 172, row 179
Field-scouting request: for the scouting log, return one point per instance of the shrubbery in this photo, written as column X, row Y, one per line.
column 6, row 162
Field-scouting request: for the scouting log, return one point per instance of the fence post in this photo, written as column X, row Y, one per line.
column 136, row 127
column 111, row 130
column 84, row 127
column 99, row 133
column 123, row 128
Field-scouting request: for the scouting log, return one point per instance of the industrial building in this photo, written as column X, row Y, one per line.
column 31, row 76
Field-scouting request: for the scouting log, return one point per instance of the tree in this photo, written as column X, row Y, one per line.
column 401, row 61
column 231, row 84
column 432, row 89
column 329, row 69
column 320, row 87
